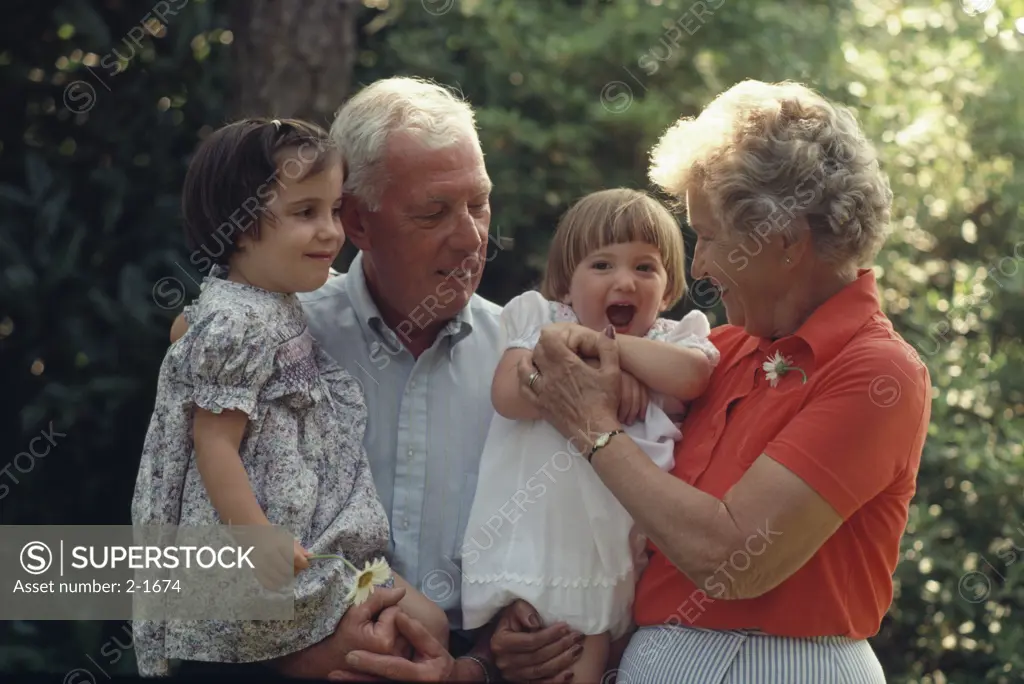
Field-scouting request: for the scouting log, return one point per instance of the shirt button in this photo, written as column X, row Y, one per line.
column 405, row 523
column 412, row 384
column 409, row 454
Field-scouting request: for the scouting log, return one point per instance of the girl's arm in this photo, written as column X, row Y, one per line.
column 178, row 328
column 679, row 372
column 217, row 437
column 505, row 396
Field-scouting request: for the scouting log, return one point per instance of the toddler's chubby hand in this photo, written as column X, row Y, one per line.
column 632, row 400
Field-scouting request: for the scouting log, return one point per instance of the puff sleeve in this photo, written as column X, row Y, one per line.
column 693, row 331
column 225, row 360
column 522, row 318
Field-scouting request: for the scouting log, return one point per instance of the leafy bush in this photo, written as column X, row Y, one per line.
column 570, row 96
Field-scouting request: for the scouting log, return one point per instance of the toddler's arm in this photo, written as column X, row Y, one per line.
column 505, row 394
column 665, row 368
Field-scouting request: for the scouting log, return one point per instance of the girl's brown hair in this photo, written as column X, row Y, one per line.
column 611, row 217
column 234, row 175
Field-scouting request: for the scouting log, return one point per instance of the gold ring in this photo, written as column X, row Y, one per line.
column 533, row 378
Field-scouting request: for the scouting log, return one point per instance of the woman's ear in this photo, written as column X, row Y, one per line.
column 796, row 239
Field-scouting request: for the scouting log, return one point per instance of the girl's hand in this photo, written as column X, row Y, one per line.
column 632, row 400
column 273, row 568
column 300, row 561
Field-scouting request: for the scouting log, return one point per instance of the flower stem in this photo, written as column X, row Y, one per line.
column 801, row 372
column 334, row 557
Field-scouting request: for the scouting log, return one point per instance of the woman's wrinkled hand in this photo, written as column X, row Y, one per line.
column 634, row 397
column 579, row 401
column 633, row 400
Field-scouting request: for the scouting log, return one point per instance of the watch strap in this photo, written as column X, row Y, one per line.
column 602, row 443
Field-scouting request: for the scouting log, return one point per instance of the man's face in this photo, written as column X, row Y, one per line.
column 426, row 247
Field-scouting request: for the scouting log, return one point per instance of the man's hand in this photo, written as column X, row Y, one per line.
column 368, row 627
column 430, row 663
column 524, row 650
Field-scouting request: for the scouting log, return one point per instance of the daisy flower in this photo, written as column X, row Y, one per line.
column 778, row 365
column 372, row 575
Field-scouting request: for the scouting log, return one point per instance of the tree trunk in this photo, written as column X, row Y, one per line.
column 293, row 58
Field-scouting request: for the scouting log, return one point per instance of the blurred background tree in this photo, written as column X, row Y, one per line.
column 106, row 101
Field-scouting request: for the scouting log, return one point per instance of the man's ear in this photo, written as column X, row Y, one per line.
column 356, row 230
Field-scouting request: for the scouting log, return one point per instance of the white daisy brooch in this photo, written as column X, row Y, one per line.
column 778, row 365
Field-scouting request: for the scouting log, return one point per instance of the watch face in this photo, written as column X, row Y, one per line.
column 602, row 440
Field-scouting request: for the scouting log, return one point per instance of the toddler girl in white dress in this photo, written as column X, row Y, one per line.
column 543, row 527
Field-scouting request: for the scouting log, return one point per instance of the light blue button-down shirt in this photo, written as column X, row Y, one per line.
column 428, row 419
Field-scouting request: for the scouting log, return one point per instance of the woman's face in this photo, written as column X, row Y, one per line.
column 745, row 268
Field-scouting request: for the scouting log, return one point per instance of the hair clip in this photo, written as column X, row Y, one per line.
column 277, row 123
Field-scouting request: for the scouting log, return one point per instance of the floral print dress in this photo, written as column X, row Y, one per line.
column 249, row 349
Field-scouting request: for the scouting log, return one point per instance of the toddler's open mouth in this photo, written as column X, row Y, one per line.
column 620, row 316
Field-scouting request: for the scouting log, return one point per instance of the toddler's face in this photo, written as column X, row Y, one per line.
column 296, row 249
column 620, row 284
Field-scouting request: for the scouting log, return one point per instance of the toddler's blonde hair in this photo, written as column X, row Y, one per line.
column 611, row 217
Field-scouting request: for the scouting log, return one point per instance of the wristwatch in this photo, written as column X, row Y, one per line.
column 602, row 440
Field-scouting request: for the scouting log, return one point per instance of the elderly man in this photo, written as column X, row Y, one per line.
column 407, row 323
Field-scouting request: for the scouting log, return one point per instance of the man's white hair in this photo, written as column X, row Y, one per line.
column 436, row 116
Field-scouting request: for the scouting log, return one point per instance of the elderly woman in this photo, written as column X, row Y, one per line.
column 774, row 539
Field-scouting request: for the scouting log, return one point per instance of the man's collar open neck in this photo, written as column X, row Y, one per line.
column 417, row 339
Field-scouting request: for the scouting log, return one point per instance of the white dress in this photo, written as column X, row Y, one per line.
column 543, row 527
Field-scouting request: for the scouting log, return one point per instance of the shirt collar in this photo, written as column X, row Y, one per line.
column 833, row 323
column 369, row 315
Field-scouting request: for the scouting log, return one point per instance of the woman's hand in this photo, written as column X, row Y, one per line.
column 634, row 397
column 633, row 400
column 579, row 401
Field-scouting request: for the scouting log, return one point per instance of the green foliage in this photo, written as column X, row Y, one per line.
column 570, row 96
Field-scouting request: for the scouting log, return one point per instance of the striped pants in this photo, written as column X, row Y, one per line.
column 687, row 655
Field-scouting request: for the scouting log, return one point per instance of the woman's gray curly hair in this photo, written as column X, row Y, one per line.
column 764, row 152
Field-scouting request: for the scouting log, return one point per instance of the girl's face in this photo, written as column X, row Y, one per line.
column 620, row 284
column 295, row 251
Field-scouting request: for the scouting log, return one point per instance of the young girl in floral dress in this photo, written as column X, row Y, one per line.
column 254, row 424
column 543, row 527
